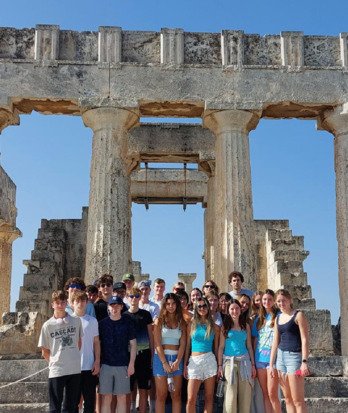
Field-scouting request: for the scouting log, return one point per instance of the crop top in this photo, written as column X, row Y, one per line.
column 171, row 336
column 199, row 343
column 235, row 344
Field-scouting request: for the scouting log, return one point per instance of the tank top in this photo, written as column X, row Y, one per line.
column 199, row 343
column 290, row 338
column 235, row 343
column 171, row 336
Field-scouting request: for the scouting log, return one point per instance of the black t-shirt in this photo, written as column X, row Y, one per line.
column 141, row 319
column 114, row 340
column 101, row 309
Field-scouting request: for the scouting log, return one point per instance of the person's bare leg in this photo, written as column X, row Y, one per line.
column 209, row 386
column 176, row 395
column 262, row 377
column 121, row 403
column 143, row 400
column 106, row 403
column 192, row 390
column 296, row 384
column 161, row 393
column 273, row 391
column 284, row 384
column 113, row 404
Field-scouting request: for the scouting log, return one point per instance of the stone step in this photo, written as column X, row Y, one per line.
column 279, row 234
column 38, row 282
column 305, row 304
column 299, row 292
column 326, row 366
column 290, row 255
column 296, row 242
column 289, row 278
column 24, row 408
column 24, row 392
column 294, row 266
column 13, row 370
column 326, row 387
column 327, row 405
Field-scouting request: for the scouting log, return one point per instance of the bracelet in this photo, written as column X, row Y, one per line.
column 219, row 365
column 164, row 362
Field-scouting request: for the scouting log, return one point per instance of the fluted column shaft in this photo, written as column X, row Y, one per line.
column 234, row 246
column 336, row 122
column 209, row 230
column 7, row 236
column 109, row 217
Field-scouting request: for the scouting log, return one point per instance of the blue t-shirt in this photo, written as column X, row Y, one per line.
column 264, row 340
column 114, row 340
column 235, row 343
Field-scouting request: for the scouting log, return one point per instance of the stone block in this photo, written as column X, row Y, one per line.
column 320, row 334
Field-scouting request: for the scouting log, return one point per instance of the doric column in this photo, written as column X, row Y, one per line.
column 7, row 236
column 187, row 279
column 336, row 122
column 109, row 216
column 234, row 246
column 209, row 230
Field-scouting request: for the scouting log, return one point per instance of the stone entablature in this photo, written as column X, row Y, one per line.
column 170, row 73
column 174, row 46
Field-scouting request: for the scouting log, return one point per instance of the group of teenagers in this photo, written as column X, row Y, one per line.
column 110, row 347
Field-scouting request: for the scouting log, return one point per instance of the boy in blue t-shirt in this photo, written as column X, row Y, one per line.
column 117, row 335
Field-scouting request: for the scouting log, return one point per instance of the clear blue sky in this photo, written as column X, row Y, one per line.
column 292, row 164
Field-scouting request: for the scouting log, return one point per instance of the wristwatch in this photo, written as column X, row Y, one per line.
column 304, row 361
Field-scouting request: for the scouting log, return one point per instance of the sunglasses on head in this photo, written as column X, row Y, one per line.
column 77, row 286
column 134, row 296
column 105, row 285
column 200, row 306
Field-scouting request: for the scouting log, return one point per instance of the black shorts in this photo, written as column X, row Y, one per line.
column 142, row 370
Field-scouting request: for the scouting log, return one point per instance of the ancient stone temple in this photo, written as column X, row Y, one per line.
column 231, row 80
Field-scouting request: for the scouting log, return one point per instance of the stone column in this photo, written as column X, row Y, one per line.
column 209, row 230
column 109, row 217
column 187, row 279
column 7, row 236
column 336, row 122
column 234, row 246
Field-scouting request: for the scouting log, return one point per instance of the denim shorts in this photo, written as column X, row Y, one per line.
column 261, row 365
column 288, row 361
column 158, row 369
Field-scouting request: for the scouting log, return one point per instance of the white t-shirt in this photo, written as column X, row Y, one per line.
column 152, row 308
column 245, row 291
column 90, row 330
column 62, row 341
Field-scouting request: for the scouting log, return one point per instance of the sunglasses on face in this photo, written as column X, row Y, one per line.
column 105, row 285
column 134, row 296
column 208, row 286
column 77, row 286
column 200, row 306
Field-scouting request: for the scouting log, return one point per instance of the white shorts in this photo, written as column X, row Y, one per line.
column 202, row 367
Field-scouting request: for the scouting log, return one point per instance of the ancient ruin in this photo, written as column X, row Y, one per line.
column 231, row 80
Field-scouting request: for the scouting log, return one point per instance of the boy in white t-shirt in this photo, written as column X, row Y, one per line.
column 60, row 342
column 90, row 351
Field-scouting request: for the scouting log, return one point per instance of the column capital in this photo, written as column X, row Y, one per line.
column 7, row 118
column 9, row 234
column 335, row 121
column 231, row 120
column 107, row 117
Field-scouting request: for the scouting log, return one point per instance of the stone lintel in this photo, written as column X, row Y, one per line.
column 46, row 42
column 292, row 51
column 109, row 44
column 172, row 47
column 171, row 143
column 167, row 186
